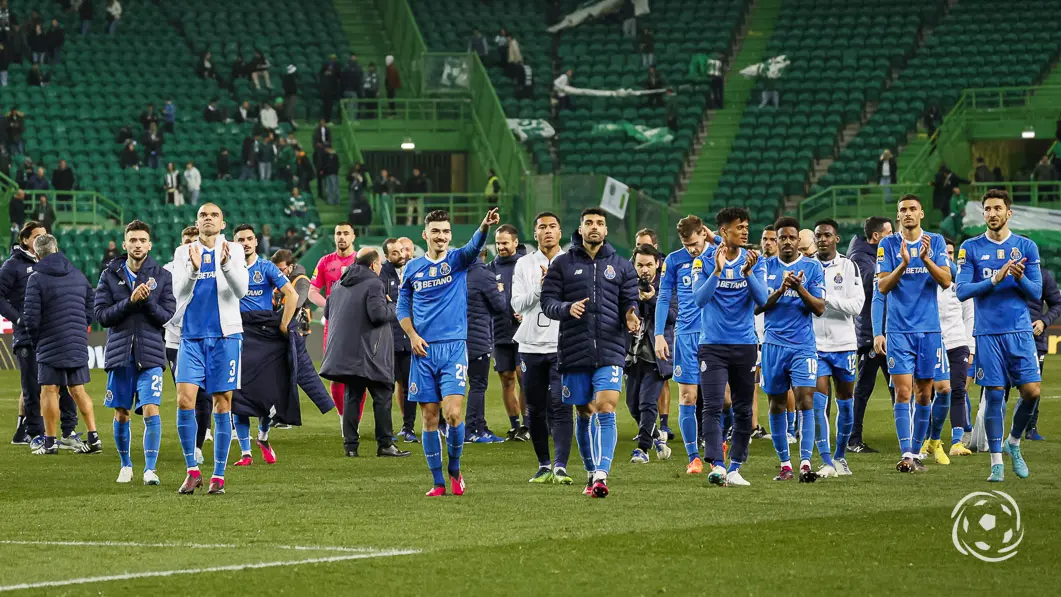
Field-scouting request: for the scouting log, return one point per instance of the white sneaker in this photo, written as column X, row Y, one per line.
column 841, row 467
column 209, row 436
column 735, row 478
column 198, row 456
column 717, row 476
column 791, row 439
column 150, row 478
column 827, row 471
column 125, row 475
column 663, row 451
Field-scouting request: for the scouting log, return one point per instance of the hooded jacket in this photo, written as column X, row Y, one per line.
column 1048, row 315
column 599, row 338
column 13, row 275
column 136, row 329
column 392, row 283
column 360, row 342
column 864, row 255
column 505, row 323
column 485, row 303
column 58, row 311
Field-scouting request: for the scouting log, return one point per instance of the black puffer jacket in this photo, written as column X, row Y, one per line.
column 485, row 303
column 13, row 275
column 136, row 329
column 57, row 312
column 505, row 324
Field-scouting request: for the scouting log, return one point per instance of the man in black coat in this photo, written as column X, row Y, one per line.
column 57, row 313
column 485, row 303
column 506, row 351
column 1044, row 313
column 361, row 352
column 391, row 276
column 63, row 179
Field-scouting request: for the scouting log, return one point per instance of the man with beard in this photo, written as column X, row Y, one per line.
column 506, row 351
column 329, row 270
column 390, row 274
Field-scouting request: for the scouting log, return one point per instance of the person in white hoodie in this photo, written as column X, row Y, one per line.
column 537, row 339
column 193, row 182
column 956, row 320
column 836, row 341
column 209, row 279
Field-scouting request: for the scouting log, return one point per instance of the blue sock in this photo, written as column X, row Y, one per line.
column 122, row 441
column 1021, row 415
column 186, row 429
column 845, row 423
column 664, row 420
column 901, row 412
column 243, row 433
column 687, row 427
column 779, row 435
column 152, row 440
column 582, row 438
column 263, row 429
column 454, row 448
column 956, row 434
column 733, row 466
column 727, row 421
column 993, row 419
column 806, row 436
column 940, row 410
column 607, row 435
column 821, row 424
column 791, row 418
column 222, row 439
column 433, row 451
column 922, row 416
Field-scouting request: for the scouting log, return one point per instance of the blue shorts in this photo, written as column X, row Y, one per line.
column 506, row 357
column 127, row 387
column 443, row 372
column 57, row 376
column 686, row 364
column 788, row 366
column 213, row 364
column 839, row 365
column 921, row 354
column 1006, row 359
column 581, row 387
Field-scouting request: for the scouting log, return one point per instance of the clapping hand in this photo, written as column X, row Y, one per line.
column 925, row 247
column 224, row 254
column 751, row 257
column 196, row 256
column 140, row 293
column 1017, row 269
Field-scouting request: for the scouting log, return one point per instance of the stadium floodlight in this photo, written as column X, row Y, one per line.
column 408, row 145
column 1028, row 133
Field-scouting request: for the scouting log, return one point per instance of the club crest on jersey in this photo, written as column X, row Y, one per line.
column 1001, row 254
column 444, row 268
column 961, row 256
column 609, row 272
column 566, row 392
column 839, row 279
column 703, row 366
column 433, row 271
column 109, row 396
column 413, row 389
column 258, row 277
column 1014, row 253
column 979, row 373
column 891, row 362
column 678, row 371
column 208, row 257
column 523, row 366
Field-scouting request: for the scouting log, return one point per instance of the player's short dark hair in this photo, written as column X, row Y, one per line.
column 190, row 231
column 592, row 211
column 438, row 215
column 546, row 214
column 647, row 232
column 243, row 227
column 368, row 257
column 728, row 215
column 387, row 244
column 282, row 256
column 769, row 228
column 828, row 222
column 786, row 222
column 138, row 226
column 347, row 224
column 507, row 229
column 28, row 228
column 998, row 194
column 873, row 225
column 910, row 197
column 647, row 249
column 949, row 241
column 688, row 226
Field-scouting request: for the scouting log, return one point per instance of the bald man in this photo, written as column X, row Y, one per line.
column 807, row 244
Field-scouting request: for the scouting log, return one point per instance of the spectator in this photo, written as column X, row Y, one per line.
column 887, row 173
column 171, row 182
column 266, row 157
column 193, row 182
column 114, row 15
column 653, row 83
column 169, row 116
column 351, row 78
column 259, row 69
column 211, row 113
column 329, row 86
column 6, row 19
column 5, row 61
column 370, row 90
column 304, row 171
column 267, row 116
column 265, row 245
column 17, row 46
column 16, row 213
column 224, row 166
column 647, row 44
column 393, row 82
column 932, row 119
column 149, row 117
column 296, row 205
column 84, row 11
column 982, row 172
column 152, row 142
column 292, row 241
column 329, row 171
column 770, row 94
column 63, row 179
column 1044, row 170
column 36, row 78
column 322, row 136
column 501, row 41
column 285, row 161
column 478, row 44
column 38, row 44
column 629, row 19
column 125, row 134
column 109, row 255
column 246, row 113
column 16, row 128
column 206, row 69
column 417, row 185
column 44, row 213
column 355, row 184
column 945, row 183
column 387, row 184
column 951, row 226
column 717, row 93
column 493, row 188
column 238, row 70
column 249, row 158
column 563, row 101
column 23, row 176
column 289, row 83
column 56, row 40
column 525, row 85
column 670, row 110
column 39, row 180
column 515, row 58
column 999, row 177
column 130, row 159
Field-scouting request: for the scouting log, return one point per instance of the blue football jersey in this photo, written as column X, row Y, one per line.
column 729, row 317
column 435, row 293
column 911, row 305
column 263, row 277
column 202, row 317
column 789, row 322
column 1004, row 309
column 680, row 269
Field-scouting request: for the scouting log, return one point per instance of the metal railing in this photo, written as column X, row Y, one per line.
column 437, row 115
column 408, row 209
column 78, row 208
column 842, row 202
column 1045, row 193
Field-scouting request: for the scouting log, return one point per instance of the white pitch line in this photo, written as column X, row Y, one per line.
column 231, row 568
column 186, row 545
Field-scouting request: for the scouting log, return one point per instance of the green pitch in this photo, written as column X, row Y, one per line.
column 317, row 523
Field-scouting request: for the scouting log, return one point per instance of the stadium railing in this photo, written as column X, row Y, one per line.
column 1046, row 194
column 436, row 115
column 463, row 208
column 846, row 202
column 76, row 208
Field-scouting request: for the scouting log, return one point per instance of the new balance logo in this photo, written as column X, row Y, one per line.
column 578, row 271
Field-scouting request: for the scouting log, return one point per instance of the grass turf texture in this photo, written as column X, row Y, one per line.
column 660, row 531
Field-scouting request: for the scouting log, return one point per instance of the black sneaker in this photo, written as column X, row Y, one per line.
column 860, row 448
column 511, row 435
column 760, row 433
column 919, row 467
column 21, row 438
column 522, row 434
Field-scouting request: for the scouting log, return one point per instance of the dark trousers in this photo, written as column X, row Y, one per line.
column 869, row 362
column 204, row 404
column 717, row 93
column 381, row 410
column 31, row 397
column 546, row 409
column 732, row 364
column 643, row 386
column 959, row 371
column 391, row 93
column 478, row 381
column 401, row 373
